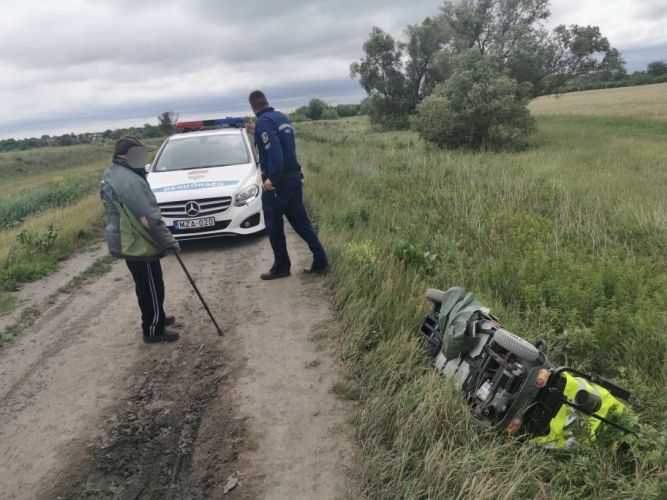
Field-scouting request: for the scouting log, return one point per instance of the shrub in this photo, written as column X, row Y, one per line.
column 33, row 255
column 388, row 114
column 348, row 110
column 432, row 119
column 329, row 114
column 478, row 108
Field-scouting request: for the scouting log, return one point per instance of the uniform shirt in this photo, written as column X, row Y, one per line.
column 274, row 137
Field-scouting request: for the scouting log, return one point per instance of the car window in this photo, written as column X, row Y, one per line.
column 202, row 152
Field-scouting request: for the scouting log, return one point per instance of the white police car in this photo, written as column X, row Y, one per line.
column 207, row 181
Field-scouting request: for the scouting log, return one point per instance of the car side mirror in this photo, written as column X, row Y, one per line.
column 147, row 168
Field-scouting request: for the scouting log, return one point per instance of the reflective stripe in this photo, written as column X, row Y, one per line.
column 286, row 126
column 156, row 307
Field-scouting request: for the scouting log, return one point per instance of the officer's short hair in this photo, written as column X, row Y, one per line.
column 258, row 100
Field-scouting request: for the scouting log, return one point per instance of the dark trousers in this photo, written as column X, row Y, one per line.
column 150, row 294
column 288, row 202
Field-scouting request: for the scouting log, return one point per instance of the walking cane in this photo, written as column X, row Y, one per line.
column 194, row 286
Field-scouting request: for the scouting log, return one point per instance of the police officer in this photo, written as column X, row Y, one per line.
column 283, row 188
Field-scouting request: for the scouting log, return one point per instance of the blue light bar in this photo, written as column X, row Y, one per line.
column 229, row 122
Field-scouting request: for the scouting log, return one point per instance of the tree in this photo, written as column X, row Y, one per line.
column 509, row 34
column 381, row 75
column 657, row 68
column 479, row 107
column 316, row 108
column 575, row 51
column 424, row 68
column 167, row 122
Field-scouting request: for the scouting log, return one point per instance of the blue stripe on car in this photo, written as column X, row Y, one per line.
column 196, row 185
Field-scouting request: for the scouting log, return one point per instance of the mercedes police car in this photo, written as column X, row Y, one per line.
column 207, row 181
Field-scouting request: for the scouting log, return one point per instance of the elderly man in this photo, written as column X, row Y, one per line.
column 136, row 232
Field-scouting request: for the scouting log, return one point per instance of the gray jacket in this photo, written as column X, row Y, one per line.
column 126, row 192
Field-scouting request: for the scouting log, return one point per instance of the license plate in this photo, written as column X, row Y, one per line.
column 195, row 223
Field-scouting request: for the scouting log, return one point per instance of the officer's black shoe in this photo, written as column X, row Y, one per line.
column 166, row 337
column 170, row 321
column 315, row 269
column 275, row 274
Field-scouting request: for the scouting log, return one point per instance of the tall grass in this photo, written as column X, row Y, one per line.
column 14, row 210
column 50, row 161
column 34, row 249
column 565, row 241
column 48, row 210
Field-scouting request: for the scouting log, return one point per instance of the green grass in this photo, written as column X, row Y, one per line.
column 7, row 302
column 14, row 210
column 48, row 209
column 51, row 161
column 566, row 241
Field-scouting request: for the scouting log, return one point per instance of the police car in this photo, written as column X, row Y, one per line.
column 207, row 181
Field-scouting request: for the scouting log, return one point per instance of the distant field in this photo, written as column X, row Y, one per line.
column 646, row 102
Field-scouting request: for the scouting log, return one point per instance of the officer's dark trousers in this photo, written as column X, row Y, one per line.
column 288, row 202
column 150, row 293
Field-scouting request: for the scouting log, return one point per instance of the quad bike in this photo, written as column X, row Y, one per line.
column 510, row 384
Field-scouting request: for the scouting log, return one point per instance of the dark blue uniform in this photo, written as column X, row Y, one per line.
column 274, row 137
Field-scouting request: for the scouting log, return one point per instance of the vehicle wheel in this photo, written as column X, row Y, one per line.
column 435, row 296
column 516, row 345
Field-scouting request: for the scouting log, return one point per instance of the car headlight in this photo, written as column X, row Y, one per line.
column 246, row 195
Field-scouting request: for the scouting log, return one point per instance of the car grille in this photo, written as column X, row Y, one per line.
column 207, row 208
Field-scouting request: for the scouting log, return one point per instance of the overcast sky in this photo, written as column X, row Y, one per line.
column 79, row 65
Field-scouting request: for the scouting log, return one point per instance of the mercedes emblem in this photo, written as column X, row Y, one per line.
column 192, row 208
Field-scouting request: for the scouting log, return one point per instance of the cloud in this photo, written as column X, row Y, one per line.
column 116, row 59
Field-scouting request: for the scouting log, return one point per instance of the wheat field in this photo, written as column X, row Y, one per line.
column 645, row 102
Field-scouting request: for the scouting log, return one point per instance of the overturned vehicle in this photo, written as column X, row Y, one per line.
column 510, row 384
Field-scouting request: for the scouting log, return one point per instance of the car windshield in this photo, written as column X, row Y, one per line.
column 203, row 152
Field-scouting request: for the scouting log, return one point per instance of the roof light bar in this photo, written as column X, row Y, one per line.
column 228, row 122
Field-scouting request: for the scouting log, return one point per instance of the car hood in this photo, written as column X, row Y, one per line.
column 200, row 183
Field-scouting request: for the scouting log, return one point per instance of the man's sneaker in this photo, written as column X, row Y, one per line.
column 274, row 274
column 166, row 337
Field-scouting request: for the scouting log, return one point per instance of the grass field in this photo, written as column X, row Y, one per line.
column 566, row 241
column 645, row 102
column 48, row 209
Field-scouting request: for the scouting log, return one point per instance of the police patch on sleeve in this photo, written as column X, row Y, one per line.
column 265, row 137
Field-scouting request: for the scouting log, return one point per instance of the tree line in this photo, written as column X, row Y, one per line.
column 146, row 132
column 656, row 72
column 465, row 76
column 317, row 109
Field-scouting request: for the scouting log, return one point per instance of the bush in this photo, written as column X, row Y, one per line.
column 478, row 108
column 348, row 110
column 33, row 255
column 388, row 114
column 431, row 121
column 329, row 114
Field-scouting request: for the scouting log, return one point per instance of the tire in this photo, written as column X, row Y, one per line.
column 435, row 296
column 517, row 346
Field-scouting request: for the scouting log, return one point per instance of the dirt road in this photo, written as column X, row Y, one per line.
column 87, row 411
